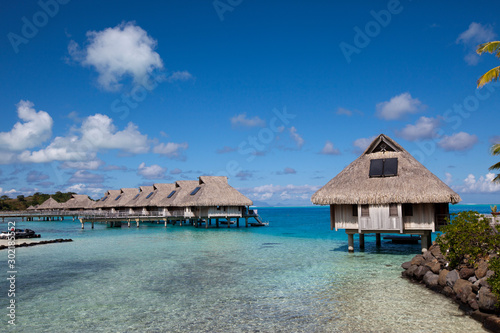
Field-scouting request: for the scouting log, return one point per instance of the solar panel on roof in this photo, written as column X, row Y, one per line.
column 171, row 194
column 150, row 194
column 195, row 190
column 390, row 167
column 384, row 167
column 376, row 168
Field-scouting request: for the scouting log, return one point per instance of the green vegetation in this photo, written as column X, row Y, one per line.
column 492, row 74
column 469, row 238
column 495, row 150
column 22, row 202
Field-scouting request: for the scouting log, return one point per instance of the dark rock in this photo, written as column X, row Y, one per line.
column 435, row 267
column 492, row 323
column 448, row 291
column 451, row 278
column 479, row 316
column 407, row 265
column 428, row 256
column 466, row 272
column 431, row 279
column 436, row 251
column 462, row 289
column 417, row 260
column 442, row 277
column 486, row 300
column 411, row 271
column 420, row 272
column 472, row 301
column 482, row 269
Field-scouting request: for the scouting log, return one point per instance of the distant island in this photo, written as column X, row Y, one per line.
column 22, row 202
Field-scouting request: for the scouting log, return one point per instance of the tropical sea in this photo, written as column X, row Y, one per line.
column 293, row 276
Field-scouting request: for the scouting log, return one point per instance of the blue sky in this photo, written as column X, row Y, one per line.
column 279, row 96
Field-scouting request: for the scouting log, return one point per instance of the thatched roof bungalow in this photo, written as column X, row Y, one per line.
column 140, row 201
column 50, row 204
column 78, row 202
column 386, row 190
column 107, row 201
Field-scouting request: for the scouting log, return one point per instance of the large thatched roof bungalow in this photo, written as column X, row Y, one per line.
column 50, row 204
column 121, row 201
column 107, row 202
column 176, row 201
column 78, row 202
column 386, row 190
column 139, row 202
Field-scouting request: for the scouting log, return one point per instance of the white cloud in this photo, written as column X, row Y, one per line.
column 449, row 178
column 424, row 128
column 398, row 106
column 175, row 171
column 296, row 137
column 36, row 176
column 180, row 76
column 83, row 176
column 97, row 133
column 482, row 185
column 329, row 149
column 343, row 111
column 288, row 192
column 82, row 165
column 242, row 120
column 362, row 143
column 287, row 171
column 125, row 50
column 93, row 191
column 171, row 149
column 35, row 129
column 476, row 34
column 458, row 142
column 152, row 172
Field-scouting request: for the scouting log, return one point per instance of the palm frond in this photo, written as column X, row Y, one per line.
column 495, row 149
column 491, row 75
column 495, row 166
column 496, row 179
column 490, row 47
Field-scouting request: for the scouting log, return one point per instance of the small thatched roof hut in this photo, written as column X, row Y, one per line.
column 79, row 201
column 31, row 208
column 161, row 192
column 126, row 194
column 386, row 190
column 142, row 198
column 178, row 196
column 215, row 191
column 50, row 204
column 413, row 182
column 108, row 200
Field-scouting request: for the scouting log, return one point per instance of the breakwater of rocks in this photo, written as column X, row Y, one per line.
column 59, row 240
column 466, row 285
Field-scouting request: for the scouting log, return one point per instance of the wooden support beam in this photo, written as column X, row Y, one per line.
column 217, row 222
column 237, row 222
column 377, row 240
column 228, row 222
column 92, row 224
column 362, row 241
column 350, row 243
column 332, row 217
column 246, row 222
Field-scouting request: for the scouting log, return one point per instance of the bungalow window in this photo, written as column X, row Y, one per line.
column 393, row 210
column 171, row 194
column 407, row 210
column 384, row 167
column 118, row 197
column 354, row 210
column 149, row 195
column 365, row 211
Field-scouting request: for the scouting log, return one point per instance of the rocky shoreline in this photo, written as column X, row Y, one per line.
column 27, row 244
column 466, row 285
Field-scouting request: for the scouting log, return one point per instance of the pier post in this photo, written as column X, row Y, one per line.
column 128, row 223
column 81, row 221
column 228, row 222
column 362, row 241
column 92, row 224
column 137, row 220
column 166, row 222
column 424, row 240
column 246, row 222
column 237, row 222
column 207, row 222
column 350, row 242
column 377, row 240
column 217, row 222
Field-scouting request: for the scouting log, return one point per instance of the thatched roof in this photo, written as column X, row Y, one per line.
column 182, row 189
column 413, row 183
column 126, row 194
column 50, row 203
column 79, row 201
column 108, row 200
column 161, row 192
column 30, row 208
column 215, row 191
column 142, row 198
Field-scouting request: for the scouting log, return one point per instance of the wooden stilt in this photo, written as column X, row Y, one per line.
column 217, row 222
column 237, row 222
column 377, row 240
column 207, row 223
column 166, row 222
column 362, row 241
column 350, row 242
column 92, row 224
column 424, row 240
column 81, row 221
column 128, row 223
column 137, row 220
column 246, row 222
column 228, row 222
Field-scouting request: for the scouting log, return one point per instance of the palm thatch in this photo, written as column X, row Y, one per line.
column 31, row 208
column 142, row 198
column 179, row 198
column 413, row 183
column 108, row 200
column 215, row 191
column 161, row 192
column 50, row 204
column 79, row 201
column 124, row 197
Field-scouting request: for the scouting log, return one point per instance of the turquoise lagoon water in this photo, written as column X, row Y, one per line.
column 293, row 276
